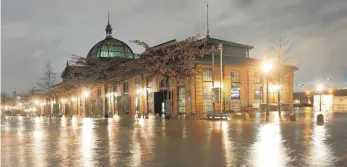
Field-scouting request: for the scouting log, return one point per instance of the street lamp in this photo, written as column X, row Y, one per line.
column 267, row 66
column 220, row 48
column 319, row 89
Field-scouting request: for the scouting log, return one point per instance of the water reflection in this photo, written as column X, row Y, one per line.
column 227, row 144
column 39, row 149
column 151, row 142
column 320, row 152
column 268, row 149
column 87, row 142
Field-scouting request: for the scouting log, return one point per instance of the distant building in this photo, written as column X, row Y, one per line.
column 333, row 100
column 302, row 99
column 243, row 85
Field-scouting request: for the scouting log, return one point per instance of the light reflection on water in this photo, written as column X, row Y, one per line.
column 150, row 142
column 87, row 142
column 268, row 149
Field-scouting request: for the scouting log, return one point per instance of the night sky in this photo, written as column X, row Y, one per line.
column 36, row 31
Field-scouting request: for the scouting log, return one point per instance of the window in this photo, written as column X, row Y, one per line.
column 207, row 90
column 181, row 100
column 126, row 87
column 258, row 94
column 149, row 82
column 98, row 92
column 257, row 78
column 207, row 75
column 235, row 76
column 235, row 92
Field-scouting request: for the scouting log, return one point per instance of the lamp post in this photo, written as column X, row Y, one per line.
column 319, row 90
column 220, row 48
column 267, row 66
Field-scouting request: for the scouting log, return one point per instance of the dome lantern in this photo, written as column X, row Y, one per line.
column 108, row 27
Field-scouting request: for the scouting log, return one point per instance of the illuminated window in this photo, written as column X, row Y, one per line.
column 235, row 76
column 207, row 75
column 207, row 91
column 181, row 100
column 235, row 92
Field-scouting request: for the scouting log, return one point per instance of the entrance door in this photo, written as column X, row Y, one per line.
column 159, row 102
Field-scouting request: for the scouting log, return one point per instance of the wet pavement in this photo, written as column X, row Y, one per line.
column 123, row 142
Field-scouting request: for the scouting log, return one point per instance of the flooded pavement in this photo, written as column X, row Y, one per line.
column 124, row 142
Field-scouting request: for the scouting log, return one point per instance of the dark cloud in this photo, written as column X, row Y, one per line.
column 36, row 31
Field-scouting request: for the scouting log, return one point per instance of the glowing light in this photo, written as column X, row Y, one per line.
column 138, row 91
column 320, row 87
column 217, row 84
column 308, row 92
column 141, row 121
column 63, row 100
column 85, row 93
column 331, row 91
column 116, row 117
column 38, row 134
column 267, row 66
column 73, row 99
column 274, row 88
column 37, row 102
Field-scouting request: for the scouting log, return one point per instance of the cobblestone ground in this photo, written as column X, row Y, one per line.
column 123, row 142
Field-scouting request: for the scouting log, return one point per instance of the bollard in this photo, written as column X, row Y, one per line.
column 292, row 117
column 245, row 117
column 320, row 118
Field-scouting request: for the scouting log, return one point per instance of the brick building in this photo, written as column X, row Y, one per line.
column 243, row 85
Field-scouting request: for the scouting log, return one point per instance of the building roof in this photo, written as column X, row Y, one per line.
column 340, row 92
column 162, row 45
column 209, row 41
column 72, row 68
column 224, row 42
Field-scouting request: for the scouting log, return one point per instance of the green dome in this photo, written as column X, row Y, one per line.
column 110, row 47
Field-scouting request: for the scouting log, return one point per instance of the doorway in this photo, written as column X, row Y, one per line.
column 159, row 102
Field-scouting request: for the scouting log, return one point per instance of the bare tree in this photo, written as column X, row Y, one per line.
column 281, row 46
column 47, row 82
